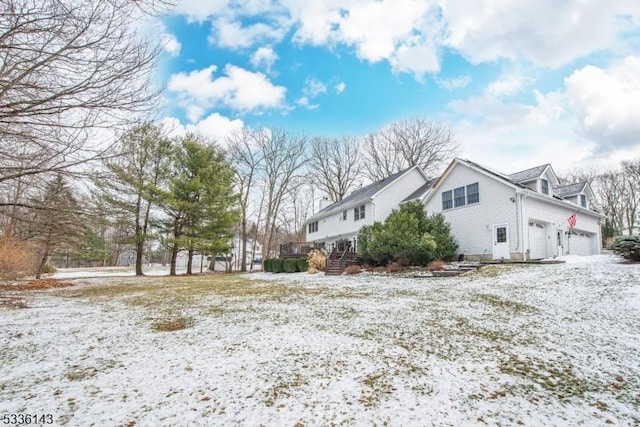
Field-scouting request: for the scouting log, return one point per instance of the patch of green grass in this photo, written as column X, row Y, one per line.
column 170, row 324
column 513, row 307
column 554, row 376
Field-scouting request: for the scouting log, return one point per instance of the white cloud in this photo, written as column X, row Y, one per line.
column 545, row 32
column 264, row 57
column 314, row 87
column 171, row 44
column 606, row 105
column 509, row 83
column 232, row 34
column 215, row 127
column 238, row 89
column 304, row 102
column 453, row 83
column 340, row 87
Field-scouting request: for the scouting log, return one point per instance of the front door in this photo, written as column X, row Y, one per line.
column 560, row 242
column 501, row 242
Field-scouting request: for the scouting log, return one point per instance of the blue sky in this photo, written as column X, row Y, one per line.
column 520, row 83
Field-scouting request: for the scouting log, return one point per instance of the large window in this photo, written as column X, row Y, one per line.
column 545, row 186
column 313, row 227
column 358, row 213
column 473, row 195
column 458, row 197
column 447, row 200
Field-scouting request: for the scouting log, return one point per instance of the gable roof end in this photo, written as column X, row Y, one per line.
column 528, row 174
column 359, row 196
column 569, row 190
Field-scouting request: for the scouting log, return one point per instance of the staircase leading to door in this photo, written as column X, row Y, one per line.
column 338, row 261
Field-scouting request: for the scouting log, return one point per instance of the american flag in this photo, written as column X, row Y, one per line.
column 572, row 220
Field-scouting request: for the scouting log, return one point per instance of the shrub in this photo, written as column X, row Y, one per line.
column 628, row 247
column 393, row 267
column 277, row 265
column 303, row 264
column 408, row 237
column 266, row 265
column 353, row 269
column 437, row 265
column 312, row 270
column 290, row 265
column 17, row 258
column 48, row 269
column 318, row 259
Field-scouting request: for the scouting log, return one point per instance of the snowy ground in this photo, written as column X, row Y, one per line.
column 510, row 345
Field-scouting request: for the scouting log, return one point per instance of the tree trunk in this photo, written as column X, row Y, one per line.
column 43, row 262
column 190, row 261
column 174, row 258
column 243, row 238
column 139, row 255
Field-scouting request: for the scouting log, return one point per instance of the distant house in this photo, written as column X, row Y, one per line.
column 494, row 216
column 337, row 225
column 520, row 216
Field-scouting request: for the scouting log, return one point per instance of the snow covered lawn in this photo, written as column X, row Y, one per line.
column 513, row 344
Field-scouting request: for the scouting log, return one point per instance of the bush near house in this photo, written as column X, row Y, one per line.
column 628, row 247
column 317, row 259
column 408, row 237
column 303, row 264
column 266, row 265
column 277, row 265
column 290, row 265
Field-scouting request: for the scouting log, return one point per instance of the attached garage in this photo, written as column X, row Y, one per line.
column 537, row 240
column 580, row 243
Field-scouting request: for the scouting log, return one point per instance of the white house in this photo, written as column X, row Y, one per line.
column 494, row 216
column 520, row 216
column 337, row 225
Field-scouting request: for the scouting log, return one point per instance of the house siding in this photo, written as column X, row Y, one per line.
column 331, row 227
column 554, row 217
column 389, row 198
column 472, row 224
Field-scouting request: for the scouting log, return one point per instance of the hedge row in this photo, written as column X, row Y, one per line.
column 287, row 265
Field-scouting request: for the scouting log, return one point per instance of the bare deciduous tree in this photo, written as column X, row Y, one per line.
column 284, row 156
column 246, row 156
column 407, row 143
column 336, row 165
column 68, row 69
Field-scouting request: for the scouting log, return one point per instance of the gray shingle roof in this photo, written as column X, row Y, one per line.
column 361, row 195
column 528, row 174
column 421, row 191
column 569, row 190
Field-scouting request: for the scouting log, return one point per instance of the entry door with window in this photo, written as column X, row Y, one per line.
column 501, row 242
column 560, row 242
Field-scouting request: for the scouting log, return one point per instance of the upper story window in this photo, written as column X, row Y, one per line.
column 358, row 213
column 583, row 200
column 473, row 193
column 447, row 200
column 313, row 227
column 458, row 197
column 544, row 185
column 343, row 216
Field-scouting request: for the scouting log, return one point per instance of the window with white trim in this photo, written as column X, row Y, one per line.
column 313, row 227
column 458, row 197
column 473, row 193
column 544, row 185
column 358, row 213
column 447, row 200
column 583, row 200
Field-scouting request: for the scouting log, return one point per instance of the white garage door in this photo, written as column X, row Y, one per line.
column 537, row 241
column 580, row 243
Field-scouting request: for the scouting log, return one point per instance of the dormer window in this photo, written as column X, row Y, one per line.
column 583, row 200
column 544, row 186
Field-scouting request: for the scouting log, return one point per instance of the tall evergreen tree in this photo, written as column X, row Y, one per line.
column 199, row 202
column 133, row 179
